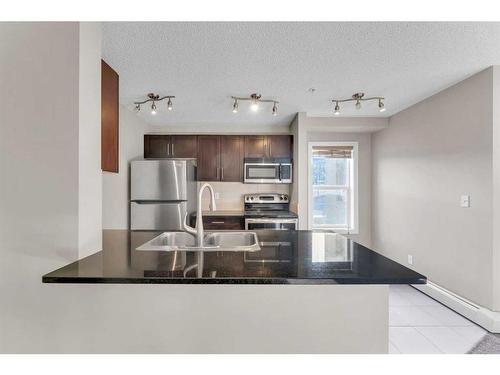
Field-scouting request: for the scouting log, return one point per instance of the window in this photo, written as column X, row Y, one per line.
column 333, row 186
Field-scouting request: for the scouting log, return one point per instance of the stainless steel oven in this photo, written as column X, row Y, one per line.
column 267, row 171
column 271, row 223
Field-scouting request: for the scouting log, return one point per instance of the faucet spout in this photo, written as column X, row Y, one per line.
column 199, row 215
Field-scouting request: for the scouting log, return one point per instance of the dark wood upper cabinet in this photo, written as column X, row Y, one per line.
column 183, row 146
column 280, row 146
column 156, row 146
column 208, row 158
column 219, row 157
column 256, row 146
column 268, row 146
column 231, row 158
column 109, row 118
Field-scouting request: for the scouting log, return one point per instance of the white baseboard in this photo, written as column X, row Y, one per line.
column 489, row 320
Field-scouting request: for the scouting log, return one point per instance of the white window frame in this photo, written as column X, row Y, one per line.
column 354, row 228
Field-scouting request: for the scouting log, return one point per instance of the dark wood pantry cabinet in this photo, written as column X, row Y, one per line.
column 109, row 118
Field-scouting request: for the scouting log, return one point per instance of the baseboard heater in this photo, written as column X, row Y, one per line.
column 489, row 320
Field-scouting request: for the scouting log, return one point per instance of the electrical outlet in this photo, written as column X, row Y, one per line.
column 217, row 196
column 410, row 259
column 465, row 201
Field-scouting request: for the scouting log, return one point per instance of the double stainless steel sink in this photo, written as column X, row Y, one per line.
column 212, row 241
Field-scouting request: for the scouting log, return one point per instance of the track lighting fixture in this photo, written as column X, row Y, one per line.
column 337, row 109
column 154, row 98
column 255, row 99
column 358, row 98
column 275, row 109
column 381, row 106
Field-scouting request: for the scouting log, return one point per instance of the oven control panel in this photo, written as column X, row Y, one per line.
column 266, row 198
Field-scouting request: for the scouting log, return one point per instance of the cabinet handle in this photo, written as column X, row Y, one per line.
column 222, row 174
column 217, row 222
column 172, row 149
column 168, row 149
column 217, row 175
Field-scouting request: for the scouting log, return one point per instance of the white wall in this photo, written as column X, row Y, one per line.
column 89, row 140
column 50, row 176
column 496, row 188
column 115, row 186
column 431, row 154
column 38, row 169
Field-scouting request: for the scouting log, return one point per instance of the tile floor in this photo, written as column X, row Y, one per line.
column 420, row 325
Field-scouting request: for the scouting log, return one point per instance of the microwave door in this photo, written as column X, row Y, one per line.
column 262, row 173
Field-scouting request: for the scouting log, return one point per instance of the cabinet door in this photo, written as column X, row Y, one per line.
column 231, row 158
column 280, row 146
column 256, row 146
column 183, row 146
column 208, row 158
column 156, row 146
column 109, row 118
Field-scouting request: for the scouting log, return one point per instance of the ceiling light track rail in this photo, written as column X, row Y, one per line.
column 153, row 98
column 255, row 99
column 358, row 98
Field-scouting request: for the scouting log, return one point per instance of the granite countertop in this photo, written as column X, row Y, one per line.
column 287, row 257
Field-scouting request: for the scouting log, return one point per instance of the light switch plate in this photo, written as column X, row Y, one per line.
column 465, row 201
column 410, row 259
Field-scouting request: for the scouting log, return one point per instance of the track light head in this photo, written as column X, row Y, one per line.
column 235, row 106
column 255, row 102
column 381, row 106
column 358, row 104
column 275, row 109
column 169, row 104
column 137, row 107
column 337, row 109
column 153, row 108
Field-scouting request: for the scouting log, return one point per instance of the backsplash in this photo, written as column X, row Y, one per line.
column 231, row 193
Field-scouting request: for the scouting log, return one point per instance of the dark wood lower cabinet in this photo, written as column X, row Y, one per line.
column 221, row 222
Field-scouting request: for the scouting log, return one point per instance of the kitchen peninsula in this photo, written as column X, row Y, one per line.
column 335, row 300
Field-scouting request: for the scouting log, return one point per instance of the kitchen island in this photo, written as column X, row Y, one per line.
column 304, row 292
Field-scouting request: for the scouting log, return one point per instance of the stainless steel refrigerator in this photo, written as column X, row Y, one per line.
column 161, row 192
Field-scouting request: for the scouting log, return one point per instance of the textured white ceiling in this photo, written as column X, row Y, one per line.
column 203, row 64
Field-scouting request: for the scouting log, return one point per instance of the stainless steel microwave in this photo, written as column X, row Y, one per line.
column 267, row 171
